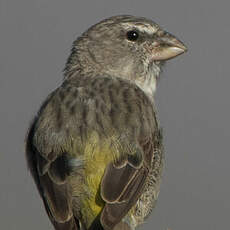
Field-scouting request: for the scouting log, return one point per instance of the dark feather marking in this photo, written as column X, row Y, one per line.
column 98, row 120
column 136, row 159
column 61, row 95
column 96, row 103
column 59, row 169
column 68, row 89
column 114, row 182
column 103, row 108
column 96, row 225
column 72, row 224
column 94, row 83
column 134, row 185
column 84, row 115
column 101, row 91
column 58, row 199
column 91, row 94
column 59, row 118
column 43, row 164
column 113, row 213
column 67, row 103
column 32, row 164
column 73, row 110
column 75, row 93
column 111, row 97
column 104, row 99
column 31, row 157
column 112, row 116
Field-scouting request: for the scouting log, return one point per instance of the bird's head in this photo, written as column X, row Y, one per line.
column 125, row 46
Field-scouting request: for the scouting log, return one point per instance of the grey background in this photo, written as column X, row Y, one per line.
column 192, row 98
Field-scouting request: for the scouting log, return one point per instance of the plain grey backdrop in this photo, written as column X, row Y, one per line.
column 192, row 98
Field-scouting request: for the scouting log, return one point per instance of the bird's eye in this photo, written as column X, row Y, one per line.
column 132, row 35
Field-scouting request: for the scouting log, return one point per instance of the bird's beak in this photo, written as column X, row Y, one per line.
column 166, row 46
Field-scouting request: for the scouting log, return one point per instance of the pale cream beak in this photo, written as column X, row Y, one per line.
column 166, row 46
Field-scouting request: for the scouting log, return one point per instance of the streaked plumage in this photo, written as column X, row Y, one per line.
column 95, row 147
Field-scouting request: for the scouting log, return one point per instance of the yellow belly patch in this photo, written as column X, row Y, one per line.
column 97, row 155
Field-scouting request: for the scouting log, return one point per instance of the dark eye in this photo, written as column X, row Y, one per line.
column 132, row 35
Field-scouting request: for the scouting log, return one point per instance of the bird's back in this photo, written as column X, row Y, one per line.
column 83, row 126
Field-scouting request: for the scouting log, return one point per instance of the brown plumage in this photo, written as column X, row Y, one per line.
column 95, row 147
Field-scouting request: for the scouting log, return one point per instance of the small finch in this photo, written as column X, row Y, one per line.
column 95, row 147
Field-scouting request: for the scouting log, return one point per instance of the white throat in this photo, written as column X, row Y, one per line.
column 149, row 82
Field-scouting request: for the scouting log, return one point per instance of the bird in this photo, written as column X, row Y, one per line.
column 95, row 147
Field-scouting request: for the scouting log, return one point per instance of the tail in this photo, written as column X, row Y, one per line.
column 96, row 225
column 72, row 224
column 122, row 226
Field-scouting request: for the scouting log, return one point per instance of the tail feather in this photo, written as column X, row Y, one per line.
column 122, row 226
column 96, row 225
column 72, row 224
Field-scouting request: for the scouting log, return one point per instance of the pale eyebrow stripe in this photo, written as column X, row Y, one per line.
column 141, row 27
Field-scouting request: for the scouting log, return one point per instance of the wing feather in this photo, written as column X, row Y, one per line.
column 113, row 213
column 56, row 196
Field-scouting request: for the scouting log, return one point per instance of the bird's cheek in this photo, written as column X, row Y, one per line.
column 155, row 51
